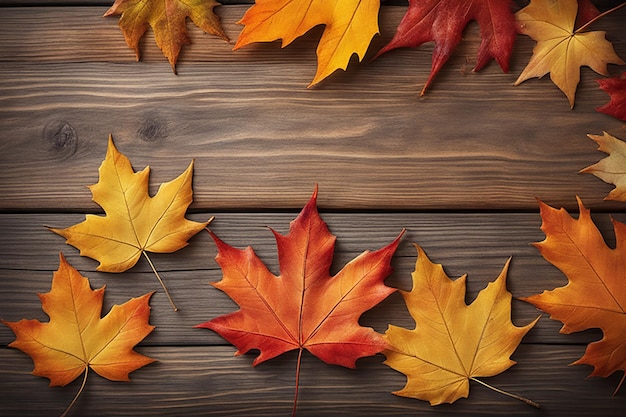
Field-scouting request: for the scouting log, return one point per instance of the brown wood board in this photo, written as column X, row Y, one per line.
column 460, row 168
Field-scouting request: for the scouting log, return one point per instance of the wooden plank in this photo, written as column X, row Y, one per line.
column 259, row 136
column 601, row 4
column 209, row 381
column 477, row 244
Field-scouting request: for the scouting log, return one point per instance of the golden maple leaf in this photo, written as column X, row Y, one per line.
column 350, row 27
column 134, row 222
column 595, row 296
column 76, row 338
column 168, row 20
column 611, row 169
column 452, row 342
column 560, row 49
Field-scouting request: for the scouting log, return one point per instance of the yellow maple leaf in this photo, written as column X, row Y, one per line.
column 168, row 20
column 134, row 222
column 611, row 169
column 560, row 49
column 76, row 338
column 350, row 27
column 452, row 342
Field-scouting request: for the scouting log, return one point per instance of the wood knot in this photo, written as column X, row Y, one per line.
column 60, row 138
column 152, row 130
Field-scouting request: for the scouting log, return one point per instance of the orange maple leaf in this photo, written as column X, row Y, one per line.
column 76, row 338
column 305, row 307
column 168, row 20
column 560, row 49
column 443, row 21
column 452, row 342
column 134, row 223
column 350, row 27
column 595, row 296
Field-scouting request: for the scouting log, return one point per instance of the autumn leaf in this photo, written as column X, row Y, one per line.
column 443, row 22
column 595, row 296
column 350, row 27
column 616, row 88
column 452, row 342
column 586, row 12
column 560, row 49
column 304, row 307
column 134, row 223
column 77, row 339
column 611, row 169
column 168, row 20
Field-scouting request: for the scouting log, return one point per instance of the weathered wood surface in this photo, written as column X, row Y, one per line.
column 476, row 244
column 207, row 381
column 252, row 125
column 459, row 169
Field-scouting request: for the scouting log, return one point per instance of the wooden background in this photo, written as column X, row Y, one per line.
column 460, row 168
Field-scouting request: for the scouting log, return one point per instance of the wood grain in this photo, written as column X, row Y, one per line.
column 210, row 381
column 476, row 244
column 259, row 136
column 460, row 169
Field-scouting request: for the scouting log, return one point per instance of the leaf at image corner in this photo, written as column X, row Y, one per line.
column 595, row 295
column 77, row 338
column 561, row 50
column 168, row 20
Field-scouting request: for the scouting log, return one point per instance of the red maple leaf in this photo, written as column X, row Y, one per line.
column 443, row 21
column 586, row 12
column 304, row 307
column 616, row 88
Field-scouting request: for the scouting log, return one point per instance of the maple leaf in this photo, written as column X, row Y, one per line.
column 616, row 88
column 560, row 49
column 134, row 222
column 452, row 342
column 611, row 169
column 168, row 20
column 77, row 339
column 443, row 22
column 595, row 296
column 586, row 12
column 350, row 27
column 304, row 307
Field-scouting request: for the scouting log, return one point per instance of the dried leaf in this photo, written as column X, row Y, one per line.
column 168, row 20
column 616, row 88
column 76, row 338
column 134, row 222
column 305, row 307
column 611, row 169
column 350, row 27
column 560, row 49
column 595, row 296
column 452, row 342
column 444, row 21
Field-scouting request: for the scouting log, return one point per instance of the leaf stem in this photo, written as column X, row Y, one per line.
column 160, row 280
column 583, row 27
column 295, row 397
column 67, row 410
column 508, row 394
column 620, row 384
